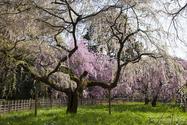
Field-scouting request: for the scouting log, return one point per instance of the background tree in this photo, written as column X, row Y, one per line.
column 19, row 40
column 158, row 79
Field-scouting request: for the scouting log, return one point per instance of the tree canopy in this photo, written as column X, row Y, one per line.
column 35, row 35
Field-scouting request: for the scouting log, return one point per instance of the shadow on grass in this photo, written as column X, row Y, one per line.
column 27, row 117
column 94, row 117
column 136, row 107
column 128, row 113
column 15, row 117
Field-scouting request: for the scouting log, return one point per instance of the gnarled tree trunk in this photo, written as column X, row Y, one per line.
column 146, row 100
column 72, row 102
column 156, row 97
column 154, row 101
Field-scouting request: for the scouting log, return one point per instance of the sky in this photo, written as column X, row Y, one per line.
column 179, row 51
column 176, row 47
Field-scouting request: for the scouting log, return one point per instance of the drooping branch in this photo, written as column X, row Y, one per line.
column 15, row 44
column 52, row 14
column 44, row 79
column 137, row 59
column 20, row 11
column 102, row 10
column 51, row 25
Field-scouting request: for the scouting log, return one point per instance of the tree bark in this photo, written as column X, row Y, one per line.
column 146, row 100
column 72, row 102
column 154, row 101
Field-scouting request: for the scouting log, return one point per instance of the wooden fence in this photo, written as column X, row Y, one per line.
column 16, row 105
column 7, row 106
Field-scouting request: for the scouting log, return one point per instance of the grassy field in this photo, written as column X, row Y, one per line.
column 122, row 114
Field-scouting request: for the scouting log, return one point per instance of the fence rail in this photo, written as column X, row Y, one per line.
column 7, row 106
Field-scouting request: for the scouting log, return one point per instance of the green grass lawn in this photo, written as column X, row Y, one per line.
column 128, row 113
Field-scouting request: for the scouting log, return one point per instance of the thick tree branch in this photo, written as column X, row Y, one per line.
column 94, row 83
column 44, row 79
column 114, row 84
column 71, row 9
column 83, row 75
column 66, row 70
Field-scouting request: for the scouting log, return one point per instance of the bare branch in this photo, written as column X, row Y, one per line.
column 21, row 11
column 15, row 44
column 102, row 10
column 137, row 59
column 129, row 35
column 62, row 60
column 44, row 79
column 52, row 14
column 178, row 12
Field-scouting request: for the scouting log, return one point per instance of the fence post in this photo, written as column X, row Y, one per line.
column 58, row 102
column 1, row 105
column 81, row 101
column 51, row 102
column 36, row 98
column 4, row 107
column 12, row 105
column 48, row 102
column 27, row 104
column 8, row 107
column 92, row 101
column 39, row 103
column 18, row 105
column 23, row 105
column 30, row 103
column 185, row 106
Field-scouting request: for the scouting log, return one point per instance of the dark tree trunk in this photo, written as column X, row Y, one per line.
column 156, row 97
column 154, row 101
column 146, row 100
column 72, row 102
